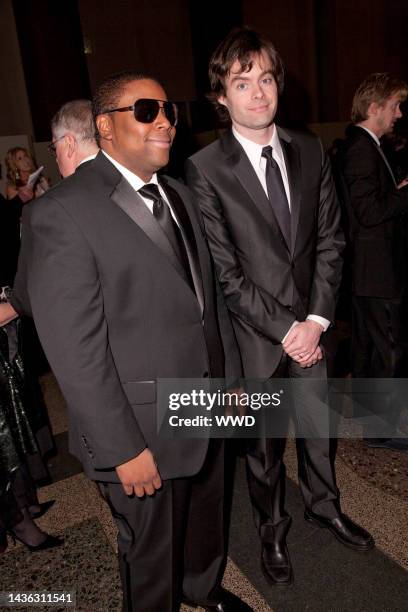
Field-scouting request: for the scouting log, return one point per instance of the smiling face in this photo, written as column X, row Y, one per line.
column 143, row 148
column 251, row 98
column 23, row 161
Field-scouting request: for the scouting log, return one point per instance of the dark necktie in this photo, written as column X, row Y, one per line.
column 162, row 214
column 277, row 194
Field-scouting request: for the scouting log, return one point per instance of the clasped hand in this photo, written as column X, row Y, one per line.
column 302, row 343
column 140, row 475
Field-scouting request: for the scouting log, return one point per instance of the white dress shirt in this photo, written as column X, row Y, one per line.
column 253, row 151
column 137, row 183
column 89, row 158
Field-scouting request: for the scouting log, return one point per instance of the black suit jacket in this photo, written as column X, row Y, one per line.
column 267, row 287
column 376, row 215
column 10, row 213
column 114, row 313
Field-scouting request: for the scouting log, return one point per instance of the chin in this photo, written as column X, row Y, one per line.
column 261, row 125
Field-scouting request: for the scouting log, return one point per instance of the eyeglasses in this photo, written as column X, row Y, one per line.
column 52, row 148
column 147, row 109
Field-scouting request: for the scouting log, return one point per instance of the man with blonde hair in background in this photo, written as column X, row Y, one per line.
column 376, row 208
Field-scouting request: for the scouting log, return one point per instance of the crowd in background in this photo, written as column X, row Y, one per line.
column 372, row 295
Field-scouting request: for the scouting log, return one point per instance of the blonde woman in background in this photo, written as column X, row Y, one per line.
column 20, row 164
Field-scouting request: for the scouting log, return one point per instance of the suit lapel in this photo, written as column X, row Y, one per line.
column 245, row 173
column 243, row 170
column 293, row 169
column 358, row 130
column 381, row 152
column 188, row 236
column 128, row 200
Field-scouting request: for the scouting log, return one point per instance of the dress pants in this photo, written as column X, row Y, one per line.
column 264, row 460
column 172, row 544
column 379, row 350
column 379, row 338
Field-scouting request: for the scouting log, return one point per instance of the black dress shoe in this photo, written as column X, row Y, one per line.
column 345, row 530
column 228, row 602
column 275, row 563
column 396, row 444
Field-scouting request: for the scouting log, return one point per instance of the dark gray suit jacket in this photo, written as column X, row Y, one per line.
column 114, row 313
column 376, row 212
column 267, row 287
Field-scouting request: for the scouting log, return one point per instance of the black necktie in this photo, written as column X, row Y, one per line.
column 277, row 194
column 162, row 214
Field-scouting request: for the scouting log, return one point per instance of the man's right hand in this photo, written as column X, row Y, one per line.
column 140, row 475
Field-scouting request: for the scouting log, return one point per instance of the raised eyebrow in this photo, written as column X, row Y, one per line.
column 240, row 77
column 267, row 73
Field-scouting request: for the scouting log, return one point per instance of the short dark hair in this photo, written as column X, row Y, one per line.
column 377, row 87
column 241, row 45
column 110, row 90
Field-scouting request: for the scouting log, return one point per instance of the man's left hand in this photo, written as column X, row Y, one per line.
column 302, row 341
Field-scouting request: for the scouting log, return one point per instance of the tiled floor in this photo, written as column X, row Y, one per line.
column 328, row 576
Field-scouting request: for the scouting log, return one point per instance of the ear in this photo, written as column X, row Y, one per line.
column 71, row 144
column 222, row 100
column 372, row 110
column 104, row 126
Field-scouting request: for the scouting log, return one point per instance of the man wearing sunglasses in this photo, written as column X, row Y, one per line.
column 121, row 288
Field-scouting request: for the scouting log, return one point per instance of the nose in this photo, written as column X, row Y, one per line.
column 161, row 120
column 257, row 91
column 398, row 113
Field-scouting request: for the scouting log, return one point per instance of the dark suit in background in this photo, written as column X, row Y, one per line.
column 377, row 223
column 10, row 213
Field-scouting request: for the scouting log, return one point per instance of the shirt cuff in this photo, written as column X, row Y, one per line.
column 321, row 320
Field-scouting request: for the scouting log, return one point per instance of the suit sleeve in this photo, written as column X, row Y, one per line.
column 329, row 247
column 65, row 294
column 233, row 364
column 243, row 298
column 371, row 205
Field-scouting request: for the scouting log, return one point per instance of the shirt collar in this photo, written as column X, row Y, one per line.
column 89, row 158
column 254, row 150
column 374, row 136
column 132, row 178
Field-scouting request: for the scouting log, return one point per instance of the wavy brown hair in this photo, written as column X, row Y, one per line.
column 241, row 45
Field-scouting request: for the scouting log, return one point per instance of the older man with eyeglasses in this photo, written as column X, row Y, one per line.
column 73, row 136
column 121, row 287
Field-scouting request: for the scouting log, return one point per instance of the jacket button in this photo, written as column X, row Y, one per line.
column 292, row 265
column 205, row 375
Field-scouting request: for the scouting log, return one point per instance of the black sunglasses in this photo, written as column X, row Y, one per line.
column 147, row 109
